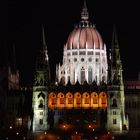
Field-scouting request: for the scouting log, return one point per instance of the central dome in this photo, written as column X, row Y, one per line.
column 84, row 37
column 84, row 57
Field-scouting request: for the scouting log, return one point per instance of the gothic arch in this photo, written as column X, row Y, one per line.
column 52, row 100
column 41, row 103
column 85, row 100
column 102, row 100
column 60, row 100
column 69, row 100
column 94, row 100
column 114, row 102
column 77, row 100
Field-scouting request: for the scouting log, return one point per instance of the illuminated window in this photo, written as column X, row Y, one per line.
column 70, row 101
column 86, row 100
column 78, row 101
column 62, row 100
column 103, row 99
column 95, row 100
column 41, row 121
column 114, row 121
column 18, row 122
column 53, row 101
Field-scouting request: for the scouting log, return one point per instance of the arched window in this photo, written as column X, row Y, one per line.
column 82, row 75
column 77, row 100
column 60, row 100
column 85, row 100
column 114, row 103
column 40, row 104
column 90, row 75
column 52, row 100
column 94, row 100
column 102, row 100
column 69, row 100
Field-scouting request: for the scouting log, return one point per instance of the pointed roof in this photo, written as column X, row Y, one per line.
column 44, row 44
column 84, row 13
column 43, row 37
column 115, row 43
column 42, row 57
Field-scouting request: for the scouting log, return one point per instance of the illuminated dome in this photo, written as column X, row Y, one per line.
column 84, row 37
column 84, row 57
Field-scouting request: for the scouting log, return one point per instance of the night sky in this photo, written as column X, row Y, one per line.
column 25, row 19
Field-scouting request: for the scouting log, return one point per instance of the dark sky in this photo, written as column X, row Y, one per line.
column 25, row 20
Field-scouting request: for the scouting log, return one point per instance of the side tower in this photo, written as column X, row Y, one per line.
column 40, row 89
column 116, row 120
column 13, row 73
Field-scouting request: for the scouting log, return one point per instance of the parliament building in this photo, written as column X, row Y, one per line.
column 88, row 88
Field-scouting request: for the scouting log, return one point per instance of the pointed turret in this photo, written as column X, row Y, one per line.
column 42, row 62
column 114, row 38
column 84, row 13
column 116, row 65
column 116, row 100
column 40, row 88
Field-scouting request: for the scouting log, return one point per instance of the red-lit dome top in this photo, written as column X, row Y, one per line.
column 84, row 35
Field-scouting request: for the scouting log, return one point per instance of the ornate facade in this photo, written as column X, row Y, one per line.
column 84, row 82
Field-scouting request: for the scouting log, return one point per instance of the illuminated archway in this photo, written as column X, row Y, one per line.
column 77, row 100
column 52, row 100
column 60, row 100
column 94, row 100
column 85, row 100
column 69, row 100
column 102, row 100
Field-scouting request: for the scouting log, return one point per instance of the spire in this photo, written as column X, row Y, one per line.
column 115, row 56
column 43, row 36
column 42, row 58
column 115, row 43
column 84, row 13
column 116, row 66
column 44, row 44
column 42, row 76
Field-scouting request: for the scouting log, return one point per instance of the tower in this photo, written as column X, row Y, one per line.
column 40, row 89
column 116, row 120
column 13, row 73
